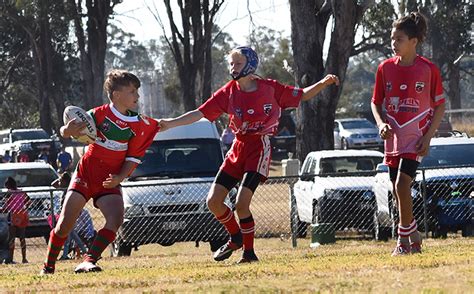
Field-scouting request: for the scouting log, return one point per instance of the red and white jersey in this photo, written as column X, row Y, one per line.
column 409, row 94
column 252, row 113
column 121, row 137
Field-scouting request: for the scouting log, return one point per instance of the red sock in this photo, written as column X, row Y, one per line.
column 229, row 222
column 55, row 245
column 102, row 240
column 247, row 226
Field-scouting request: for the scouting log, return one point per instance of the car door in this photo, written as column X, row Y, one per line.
column 303, row 188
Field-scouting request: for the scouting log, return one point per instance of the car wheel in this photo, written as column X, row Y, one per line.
column 120, row 249
column 216, row 244
column 381, row 233
column 467, row 230
column 440, row 232
column 166, row 243
column 297, row 227
column 344, row 144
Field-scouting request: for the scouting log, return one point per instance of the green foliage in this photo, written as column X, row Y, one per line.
column 274, row 52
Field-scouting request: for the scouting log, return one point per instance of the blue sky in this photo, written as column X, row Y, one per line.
column 133, row 16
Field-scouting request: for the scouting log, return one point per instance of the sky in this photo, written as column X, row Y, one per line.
column 133, row 16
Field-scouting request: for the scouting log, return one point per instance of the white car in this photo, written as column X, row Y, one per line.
column 337, row 187
column 448, row 173
column 35, row 179
column 165, row 197
column 356, row 133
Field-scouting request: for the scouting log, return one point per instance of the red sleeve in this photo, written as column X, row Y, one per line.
column 286, row 96
column 217, row 103
column 436, row 86
column 144, row 134
column 378, row 95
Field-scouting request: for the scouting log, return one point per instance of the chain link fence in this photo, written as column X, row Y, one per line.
column 286, row 207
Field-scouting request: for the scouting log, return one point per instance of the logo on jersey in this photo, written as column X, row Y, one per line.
column 295, row 92
column 403, row 87
column 267, row 108
column 250, row 111
column 393, row 103
column 105, row 127
column 79, row 181
column 388, row 86
column 409, row 105
column 419, row 86
column 238, row 112
column 120, row 123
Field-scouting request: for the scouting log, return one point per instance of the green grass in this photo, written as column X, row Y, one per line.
column 446, row 266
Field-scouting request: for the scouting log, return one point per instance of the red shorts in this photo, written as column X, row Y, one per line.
column 251, row 153
column 394, row 161
column 91, row 172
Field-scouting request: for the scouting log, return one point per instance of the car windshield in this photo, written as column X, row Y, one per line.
column 181, row 158
column 461, row 154
column 29, row 135
column 357, row 124
column 349, row 164
column 30, row 177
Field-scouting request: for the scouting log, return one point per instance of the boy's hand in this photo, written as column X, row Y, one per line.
column 385, row 131
column 112, row 181
column 73, row 128
column 331, row 79
column 423, row 145
column 165, row 124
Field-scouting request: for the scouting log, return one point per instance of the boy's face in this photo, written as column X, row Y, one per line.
column 126, row 97
column 236, row 63
column 402, row 44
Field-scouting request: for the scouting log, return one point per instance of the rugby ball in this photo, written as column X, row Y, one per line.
column 90, row 131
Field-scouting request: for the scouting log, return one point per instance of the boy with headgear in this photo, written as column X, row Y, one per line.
column 254, row 106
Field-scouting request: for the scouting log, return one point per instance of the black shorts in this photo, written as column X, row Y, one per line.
column 406, row 166
column 250, row 180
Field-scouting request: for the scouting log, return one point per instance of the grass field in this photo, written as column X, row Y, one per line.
column 348, row 266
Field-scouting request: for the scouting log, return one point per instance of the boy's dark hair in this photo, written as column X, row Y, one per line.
column 10, row 183
column 117, row 78
column 413, row 25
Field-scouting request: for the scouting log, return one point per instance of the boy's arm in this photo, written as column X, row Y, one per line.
column 385, row 131
column 114, row 180
column 185, row 119
column 423, row 145
column 311, row 91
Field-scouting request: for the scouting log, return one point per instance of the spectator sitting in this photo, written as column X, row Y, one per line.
column 23, row 157
column 7, row 157
column 64, row 161
column 44, row 155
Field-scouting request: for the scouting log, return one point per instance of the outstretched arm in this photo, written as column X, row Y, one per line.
column 185, row 119
column 311, row 91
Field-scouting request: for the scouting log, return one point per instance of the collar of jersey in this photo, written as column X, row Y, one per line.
column 121, row 116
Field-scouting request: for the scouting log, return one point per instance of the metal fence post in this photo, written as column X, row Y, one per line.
column 425, row 204
column 51, row 207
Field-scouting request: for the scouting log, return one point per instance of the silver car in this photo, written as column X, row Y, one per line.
column 356, row 133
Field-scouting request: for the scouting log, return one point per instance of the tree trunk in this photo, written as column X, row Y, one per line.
column 315, row 124
column 93, row 48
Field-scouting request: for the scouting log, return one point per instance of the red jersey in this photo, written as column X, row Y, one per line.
column 409, row 94
column 252, row 113
column 121, row 137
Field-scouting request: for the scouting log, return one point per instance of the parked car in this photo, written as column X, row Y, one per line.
column 284, row 140
column 356, row 133
column 337, row 187
column 35, row 178
column 165, row 197
column 449, row 181
column 30, row 142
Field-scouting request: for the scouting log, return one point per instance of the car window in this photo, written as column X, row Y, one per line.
column 30, row 177
column 176, row 158
column 29, row 135
column 357, row 124
column 460, row 154
column 349, row 164
column 309, row 167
